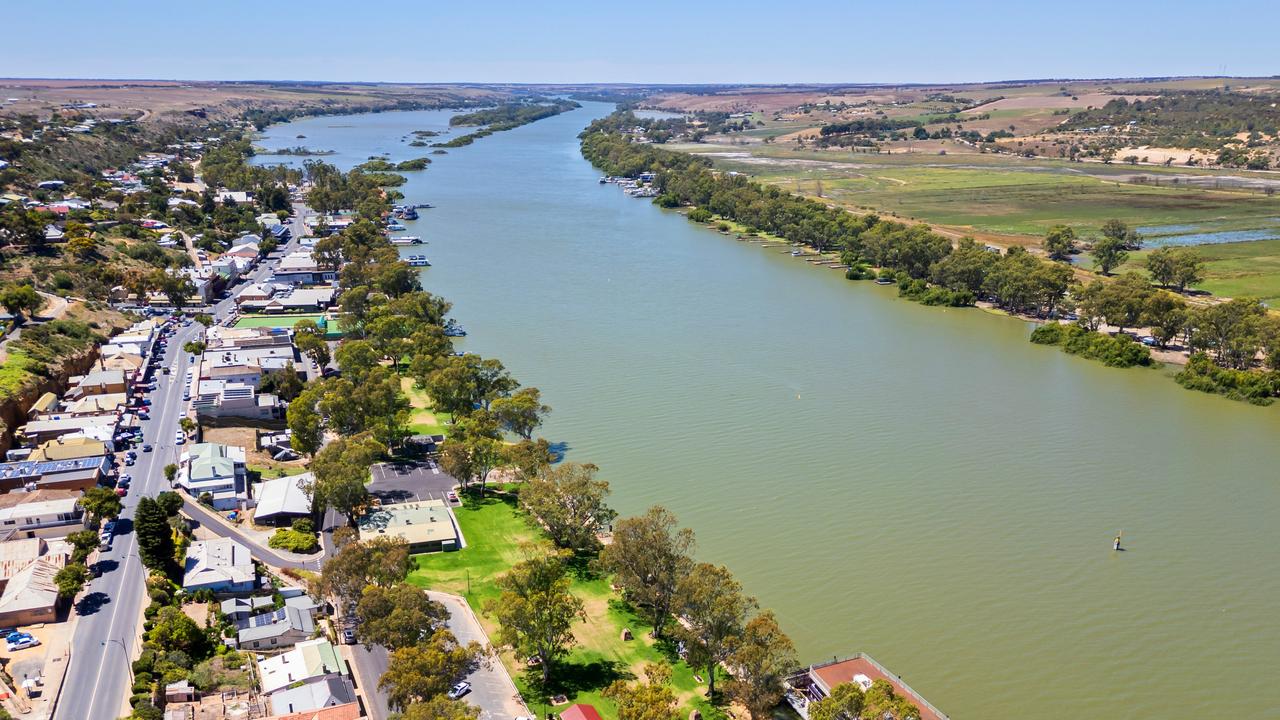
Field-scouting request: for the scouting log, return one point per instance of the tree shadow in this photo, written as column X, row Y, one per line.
column 106, row 566
column 92, row 603
column 570, row 678
column 559, row 449
column 583, row 566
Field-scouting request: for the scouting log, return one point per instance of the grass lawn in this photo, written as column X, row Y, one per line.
column 495, row 530
column 332, row 327
column 424, row 420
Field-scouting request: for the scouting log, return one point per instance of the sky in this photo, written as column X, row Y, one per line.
column 694, row 41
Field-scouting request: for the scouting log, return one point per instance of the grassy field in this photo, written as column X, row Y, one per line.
column 424, row 419
column 495, row 531
column 1245, row 269
column 994, row 194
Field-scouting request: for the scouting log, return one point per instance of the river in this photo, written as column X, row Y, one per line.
column 918, row 483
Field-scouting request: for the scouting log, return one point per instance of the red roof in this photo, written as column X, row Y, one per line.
column 580, row 712
column 349, row 711
column 843, row 671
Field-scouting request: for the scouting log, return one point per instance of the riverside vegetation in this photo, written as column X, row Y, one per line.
column 1236, row 344
column 393, row 328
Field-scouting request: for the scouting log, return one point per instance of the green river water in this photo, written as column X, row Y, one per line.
column 921, row 484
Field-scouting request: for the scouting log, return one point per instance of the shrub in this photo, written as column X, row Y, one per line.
column 1257, row 387
column 700, row 215
column 293, row 541
column 304, row 525
column 1120, row 351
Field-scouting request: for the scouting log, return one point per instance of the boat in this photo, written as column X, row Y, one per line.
column 796, row 253
column 418, row 261
column 396, row 226
column 409, row 213
column 406, row 240
column 603, row 180
column 424, row 206
column 453, row 329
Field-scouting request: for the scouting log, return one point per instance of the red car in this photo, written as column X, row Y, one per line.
column 121, row 491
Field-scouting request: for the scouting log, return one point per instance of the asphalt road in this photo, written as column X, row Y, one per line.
column 98, row 681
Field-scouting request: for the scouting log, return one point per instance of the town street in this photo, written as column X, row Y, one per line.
column 99, row 677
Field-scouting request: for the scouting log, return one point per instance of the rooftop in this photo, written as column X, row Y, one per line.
column 419, row 522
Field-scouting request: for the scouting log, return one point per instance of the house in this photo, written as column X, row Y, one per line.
column 97, row 404
column 309, row 661
column 580, row 711
column 301, row 268
column 41, row 513
column 330, row 692
column 277, row 629
column 257, row 292
column 216, row 469
column 291, row 300
column 99, row 382
column 427, row 525
column 31, row 595
column 350, row 711
column 282, row 500
column 231, row 367
column 71, row 474
column 248, row 251
column 16, row 554
column 48, row 428
column 237, row 197
column 68, row 447
column 43, row 404
column 220, row 565
column 268, row 220
column 817, row 681
column 238, row 609
column 219, row 398
column 181, row 691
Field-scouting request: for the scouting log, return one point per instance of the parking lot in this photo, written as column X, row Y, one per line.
column 405, row 481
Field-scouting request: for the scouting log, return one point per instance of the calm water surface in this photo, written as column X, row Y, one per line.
column 917, row 483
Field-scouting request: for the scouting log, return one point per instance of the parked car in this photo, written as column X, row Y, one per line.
column 459, row 690
column 180, row 438
column 122, row 491
column 349, row 636
column 128, row 462
column 109, row 526
column 123, row 483
column 23, row 643
column 131, row 455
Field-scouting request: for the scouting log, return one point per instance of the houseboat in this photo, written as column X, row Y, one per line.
column 418, row 261
column 406, row 240
column 453, row 329
column 396, row 227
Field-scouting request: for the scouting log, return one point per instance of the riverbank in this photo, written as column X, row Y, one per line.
column 936, row 270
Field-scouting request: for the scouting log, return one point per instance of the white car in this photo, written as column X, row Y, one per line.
column 459, row 690
column 23, row 643
column 180, row 438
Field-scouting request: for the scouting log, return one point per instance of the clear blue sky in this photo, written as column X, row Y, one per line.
column 692, row 41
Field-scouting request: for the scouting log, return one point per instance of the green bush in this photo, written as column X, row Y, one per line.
column 304, row 525
column 1257, row 387
column 700, row 215
column 293, row 541
column 1120, row 351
